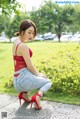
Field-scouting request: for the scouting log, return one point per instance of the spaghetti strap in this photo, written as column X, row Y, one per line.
column 16, row 48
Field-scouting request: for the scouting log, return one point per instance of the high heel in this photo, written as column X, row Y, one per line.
column 20, row 96
column 34, row 99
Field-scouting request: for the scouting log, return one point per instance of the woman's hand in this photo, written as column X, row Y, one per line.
column 42, row 75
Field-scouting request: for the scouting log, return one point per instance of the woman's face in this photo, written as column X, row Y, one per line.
column 29, row 34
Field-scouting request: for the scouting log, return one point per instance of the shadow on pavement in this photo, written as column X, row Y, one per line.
column 25, row 112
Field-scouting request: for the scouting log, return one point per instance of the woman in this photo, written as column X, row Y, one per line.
column 26, row 77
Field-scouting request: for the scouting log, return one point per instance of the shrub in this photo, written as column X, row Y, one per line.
column 63, row 70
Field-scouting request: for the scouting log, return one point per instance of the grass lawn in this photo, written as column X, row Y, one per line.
column 41, row 50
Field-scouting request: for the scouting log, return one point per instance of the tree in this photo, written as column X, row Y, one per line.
column 63, row 18
column 14, row 24
column 76, row 21
column 43, row 17
column 4, row 21
column 51, row 17
column 9, row 6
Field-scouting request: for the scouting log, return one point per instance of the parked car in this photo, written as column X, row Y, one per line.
column 13, row 39
column 4, row 39
column 56, row 39
column 67, row 37
column 76, row 37
column 39, row 37
column 49, row 37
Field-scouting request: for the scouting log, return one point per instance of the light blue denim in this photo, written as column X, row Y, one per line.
column 27, row 81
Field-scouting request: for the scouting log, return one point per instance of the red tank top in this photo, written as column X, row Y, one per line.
column 19, row 61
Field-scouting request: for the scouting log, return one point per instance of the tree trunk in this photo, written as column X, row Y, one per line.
column 59, row 36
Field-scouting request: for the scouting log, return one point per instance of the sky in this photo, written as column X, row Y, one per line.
column 36, row 3
column 30, row 3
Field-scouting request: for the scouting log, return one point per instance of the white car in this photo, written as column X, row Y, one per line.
column 76, row 38
column 13, row 39
column 39, row 37
column 49, row 37
column 67, row 37
column 4, row 39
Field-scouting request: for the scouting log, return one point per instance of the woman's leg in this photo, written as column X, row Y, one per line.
column 26, row 81
column 25, row 96
column 42, row 90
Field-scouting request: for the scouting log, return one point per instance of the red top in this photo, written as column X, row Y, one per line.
column 19, row 61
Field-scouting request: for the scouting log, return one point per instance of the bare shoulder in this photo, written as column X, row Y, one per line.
column 23, row 46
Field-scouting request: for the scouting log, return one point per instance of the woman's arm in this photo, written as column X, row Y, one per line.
column 25, row 53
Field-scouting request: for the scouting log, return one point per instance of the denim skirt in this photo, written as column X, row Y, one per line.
column 27, row 81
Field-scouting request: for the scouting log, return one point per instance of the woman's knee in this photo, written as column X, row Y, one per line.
column 49, row 81
column 49, row 84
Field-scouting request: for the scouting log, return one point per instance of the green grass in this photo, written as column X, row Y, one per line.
column 41, row 50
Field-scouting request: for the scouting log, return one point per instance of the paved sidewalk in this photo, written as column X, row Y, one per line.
column 10, row 109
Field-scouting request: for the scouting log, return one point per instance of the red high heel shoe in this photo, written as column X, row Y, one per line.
column 21, row 97
column 33, row 99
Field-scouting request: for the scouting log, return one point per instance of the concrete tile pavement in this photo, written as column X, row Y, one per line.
column 10, row 109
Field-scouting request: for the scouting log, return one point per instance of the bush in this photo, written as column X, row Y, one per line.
column 63, row 69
